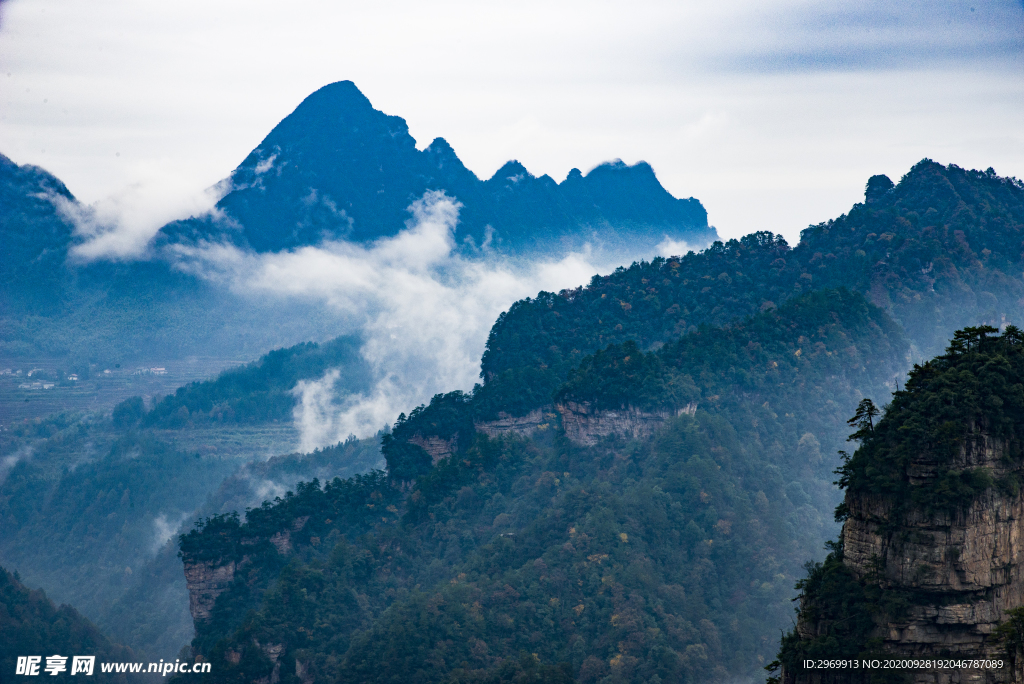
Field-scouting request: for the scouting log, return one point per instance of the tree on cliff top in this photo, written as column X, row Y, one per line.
column 976, row 386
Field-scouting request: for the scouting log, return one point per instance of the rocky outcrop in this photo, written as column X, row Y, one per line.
column 302, row 671
column 963, row 569
column 273, row 653
column 584, row 425
column 520, row 425
column 206, row 581
column 437, row 447
column 282, row 540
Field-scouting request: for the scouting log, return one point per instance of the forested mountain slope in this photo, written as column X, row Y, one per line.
column 258, row 392
column 84, row 509
column 654, row 559
column 89, row 502
column 928, row 562
column 32, row 625
column 34, row 236
column 941, row 250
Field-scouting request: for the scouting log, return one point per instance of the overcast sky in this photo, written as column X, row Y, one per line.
column 772, row 112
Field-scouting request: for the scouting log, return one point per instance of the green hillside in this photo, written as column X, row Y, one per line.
column 258, row 392
column 972, row 391
column 668, row 559
column 939, row 251
column 107, row 497
column 32, row 625
column 104, row 504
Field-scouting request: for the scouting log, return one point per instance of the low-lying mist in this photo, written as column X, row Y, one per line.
column 422, row 303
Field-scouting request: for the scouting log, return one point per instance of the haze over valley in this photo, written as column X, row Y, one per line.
column 380, row 407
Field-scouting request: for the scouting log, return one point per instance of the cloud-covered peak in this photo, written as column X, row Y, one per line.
column 338, row 169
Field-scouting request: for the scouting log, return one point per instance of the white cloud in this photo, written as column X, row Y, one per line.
column 122, row 225
column 8, row 462
column 165, row 528
column 423, row 308
column 265, row 490
column 316, row 410
column 669, row 247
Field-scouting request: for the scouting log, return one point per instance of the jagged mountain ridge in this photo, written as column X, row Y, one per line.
column 338, row 168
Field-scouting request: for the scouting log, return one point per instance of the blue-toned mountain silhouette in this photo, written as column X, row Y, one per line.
column 337, row 168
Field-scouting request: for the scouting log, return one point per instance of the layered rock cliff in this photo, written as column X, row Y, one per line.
column 961, row 569
column 437, row 447
column 931, row 556
column 206, row 580
column 525, row 426
column 585, row 425
column 581, row 422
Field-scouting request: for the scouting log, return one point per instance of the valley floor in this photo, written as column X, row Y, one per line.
column 49, row 391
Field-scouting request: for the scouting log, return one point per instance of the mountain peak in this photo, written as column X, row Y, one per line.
column 336, row 111
column 440, row 146
column 877, row 188
column 444, row 157
column 336, row 168
column 511, row 170
column 334, row 96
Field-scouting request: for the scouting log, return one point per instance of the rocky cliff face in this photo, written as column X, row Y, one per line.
column 520, row 425
column 968, row 562
column 282, row 540
column 584, row 425
column 961, row 570
column 206, row 580
column 437, row 447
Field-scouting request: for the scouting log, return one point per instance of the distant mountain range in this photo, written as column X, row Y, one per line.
column 337, row 168
column 334, row 169
column 35, row 238
column 629, row 495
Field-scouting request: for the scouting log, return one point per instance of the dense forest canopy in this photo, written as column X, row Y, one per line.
column 940, row 250
column 32, row 625
column 976, row 386
column 534, row 558
column 827, row 333
column 784, row 351
column 107, row 499
column 665, row 560
column 973, row 391
column 258, row 392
